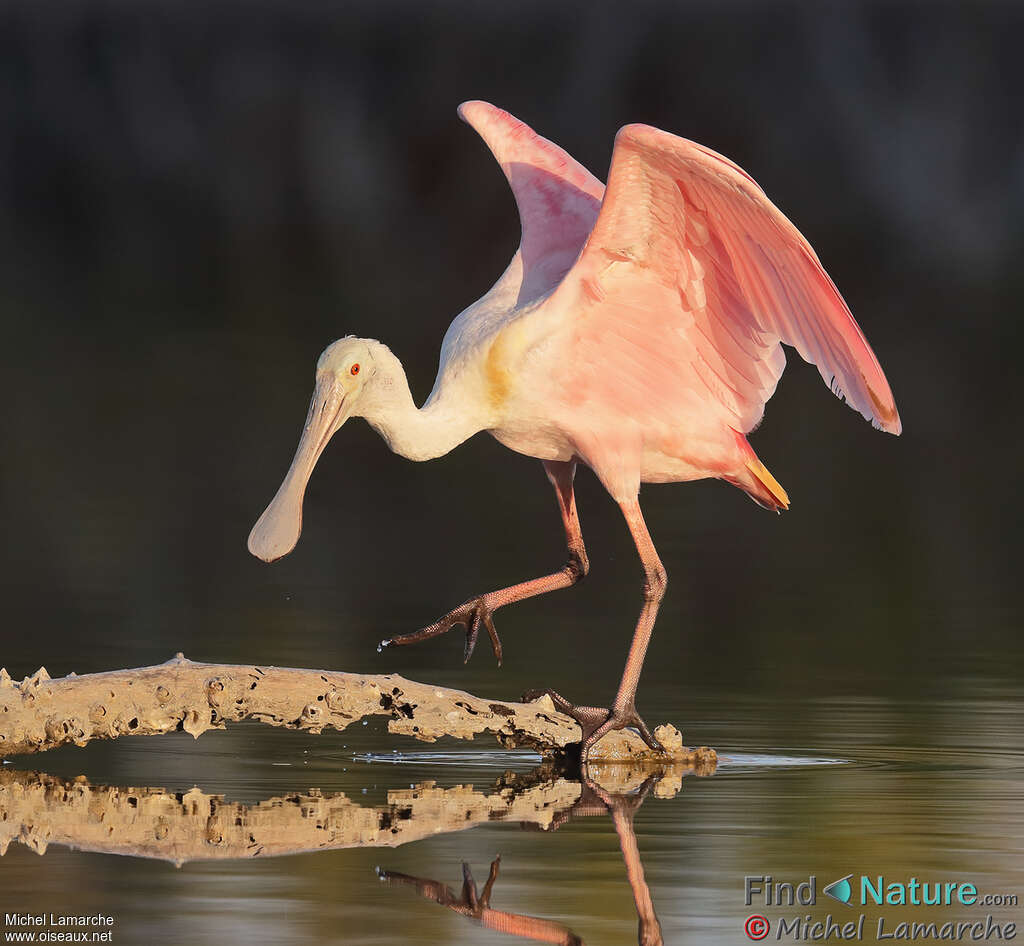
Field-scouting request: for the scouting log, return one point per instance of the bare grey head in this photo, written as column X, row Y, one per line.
column 355, row 377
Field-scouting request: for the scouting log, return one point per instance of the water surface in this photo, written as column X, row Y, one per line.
column 899, row 787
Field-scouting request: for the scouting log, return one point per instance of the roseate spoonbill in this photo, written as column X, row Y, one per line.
column 636, row 330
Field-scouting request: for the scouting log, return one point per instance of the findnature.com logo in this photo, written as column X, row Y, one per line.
column 874, row 891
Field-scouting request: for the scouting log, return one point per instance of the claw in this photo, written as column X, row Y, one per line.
column 595, row 721
column 472, row 633
column 645, row 733
column 480, row 615
column 470, row 615
column 622, row 720
column 493, row 634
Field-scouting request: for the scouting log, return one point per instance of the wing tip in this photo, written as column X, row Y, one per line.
column 894, row 426
column 879, row 410
column 484, row 117
column 470, row 107
column 884, row 414
column 641, row 134
column 500, row 130
column 650, row 137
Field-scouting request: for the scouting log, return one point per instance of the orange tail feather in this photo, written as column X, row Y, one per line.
column 756, row 481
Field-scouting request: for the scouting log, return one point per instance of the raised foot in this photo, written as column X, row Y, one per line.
column 596, row 721
column 472, row 615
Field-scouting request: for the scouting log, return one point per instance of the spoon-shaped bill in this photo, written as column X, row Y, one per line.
column 277, row 531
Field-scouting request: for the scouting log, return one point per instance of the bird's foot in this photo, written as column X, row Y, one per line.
column 597, row 722
column 473, row 615
column 477, row 903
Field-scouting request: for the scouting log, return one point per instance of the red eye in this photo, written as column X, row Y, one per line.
column 354, row 369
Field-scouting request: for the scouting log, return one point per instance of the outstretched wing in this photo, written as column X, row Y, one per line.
column 558, row 198
column 689, row 265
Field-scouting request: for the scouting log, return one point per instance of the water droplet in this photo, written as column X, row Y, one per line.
column 364, row 722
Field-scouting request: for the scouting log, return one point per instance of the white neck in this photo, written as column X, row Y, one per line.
column 444, row 422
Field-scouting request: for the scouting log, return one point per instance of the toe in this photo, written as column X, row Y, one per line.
column 493, row 634
column 472, row 633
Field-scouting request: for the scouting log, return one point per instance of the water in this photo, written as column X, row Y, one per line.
column 900, row 787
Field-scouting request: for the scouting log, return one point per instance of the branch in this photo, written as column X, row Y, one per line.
column 40, row 713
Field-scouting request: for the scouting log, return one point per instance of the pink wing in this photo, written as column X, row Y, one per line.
column 691, row 266
column 558, row 198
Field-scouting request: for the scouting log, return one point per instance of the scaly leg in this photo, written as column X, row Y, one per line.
column 596, row 722
column 477, row 612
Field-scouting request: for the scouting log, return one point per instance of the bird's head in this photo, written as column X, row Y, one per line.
column 352, row 374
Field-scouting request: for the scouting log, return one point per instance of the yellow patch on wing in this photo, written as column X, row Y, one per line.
column 496, row 369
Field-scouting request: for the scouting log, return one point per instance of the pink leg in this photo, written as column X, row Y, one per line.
column 476, row 612
column 594, row 721
column 655, row 580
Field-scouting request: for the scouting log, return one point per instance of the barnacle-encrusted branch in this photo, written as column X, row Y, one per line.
column 41, row 713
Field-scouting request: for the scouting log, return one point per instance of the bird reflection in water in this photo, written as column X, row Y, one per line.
column 39, row 810
column 594, row 800
column 477, row 906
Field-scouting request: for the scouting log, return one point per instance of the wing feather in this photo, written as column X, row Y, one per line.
column 678, row 216
column 558, row 198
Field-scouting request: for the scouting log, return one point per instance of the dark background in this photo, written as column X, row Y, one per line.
column 196, row 198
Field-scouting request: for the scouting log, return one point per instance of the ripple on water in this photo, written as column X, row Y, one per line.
column 501, row 759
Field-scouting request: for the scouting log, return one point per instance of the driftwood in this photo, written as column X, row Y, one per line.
column 41, row 713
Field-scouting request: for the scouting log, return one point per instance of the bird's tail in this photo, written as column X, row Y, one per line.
column 756, row 481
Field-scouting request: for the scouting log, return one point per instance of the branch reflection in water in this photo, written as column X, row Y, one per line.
column 37, row 809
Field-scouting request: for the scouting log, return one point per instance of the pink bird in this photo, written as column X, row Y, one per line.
column 637, row 330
